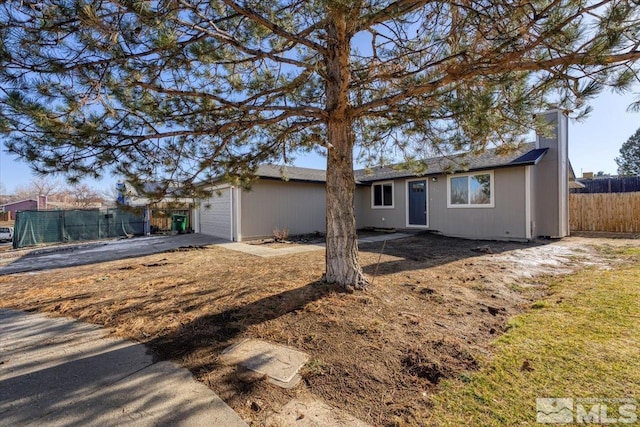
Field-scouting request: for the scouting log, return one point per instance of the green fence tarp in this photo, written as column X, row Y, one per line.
column 37, row 227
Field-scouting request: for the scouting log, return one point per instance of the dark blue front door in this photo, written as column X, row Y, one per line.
column 418, row 202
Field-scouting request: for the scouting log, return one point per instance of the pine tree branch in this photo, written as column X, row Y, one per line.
column 248, row 105
column 468, row 72
column 392, row 11
column 257, row 18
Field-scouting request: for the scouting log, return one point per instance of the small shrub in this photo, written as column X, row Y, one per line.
column 280, row 235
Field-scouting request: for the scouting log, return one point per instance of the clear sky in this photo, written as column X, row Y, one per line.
column 593, row 144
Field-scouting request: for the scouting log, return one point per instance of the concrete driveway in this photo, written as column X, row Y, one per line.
column 59, row 372
column 70, row 255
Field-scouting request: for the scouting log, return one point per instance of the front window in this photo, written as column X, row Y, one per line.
column 382, row 195
column 471, row 190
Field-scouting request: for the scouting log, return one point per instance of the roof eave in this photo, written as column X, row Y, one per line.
column 455, row 171
column 273, row 178
column 20, row 201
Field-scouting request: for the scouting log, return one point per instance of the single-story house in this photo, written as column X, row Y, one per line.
column 518, row 196
column 38, row 204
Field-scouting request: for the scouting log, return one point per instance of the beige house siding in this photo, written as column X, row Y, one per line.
column 383, row 217
column 505, row 221
column 214, row 215
column 298, row 206
column 359, row 201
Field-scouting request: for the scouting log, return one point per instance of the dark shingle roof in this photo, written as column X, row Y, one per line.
column 526, row 155
column 490, row 159
column 291, row 173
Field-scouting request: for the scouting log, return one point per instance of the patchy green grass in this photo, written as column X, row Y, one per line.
column 583, row 341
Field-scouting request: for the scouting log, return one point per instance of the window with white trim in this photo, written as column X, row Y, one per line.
column 472, row 190
column 382, row 195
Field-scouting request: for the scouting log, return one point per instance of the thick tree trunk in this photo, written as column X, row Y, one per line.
column 342, row 245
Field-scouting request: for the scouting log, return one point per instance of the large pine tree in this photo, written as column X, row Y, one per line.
column 178, row 90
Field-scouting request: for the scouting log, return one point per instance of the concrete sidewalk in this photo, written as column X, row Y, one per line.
column 267, row 252
column 59, row 372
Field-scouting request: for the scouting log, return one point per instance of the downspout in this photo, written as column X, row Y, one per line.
column 527, row 202
column 231, row 217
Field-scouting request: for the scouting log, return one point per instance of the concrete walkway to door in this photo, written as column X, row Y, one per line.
column 266, row 252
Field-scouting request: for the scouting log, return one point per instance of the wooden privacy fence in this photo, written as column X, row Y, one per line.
column 612, row 212
column 161, row 218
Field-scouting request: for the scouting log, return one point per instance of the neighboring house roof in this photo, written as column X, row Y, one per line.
column 18, row 202
column 135, row 199
column 573, row 184
column 144, row 201
column 490, row 159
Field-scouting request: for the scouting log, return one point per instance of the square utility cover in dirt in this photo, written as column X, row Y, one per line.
column 275, row 361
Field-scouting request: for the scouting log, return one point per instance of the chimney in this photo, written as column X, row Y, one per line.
column 42, row 203
column 551, row 179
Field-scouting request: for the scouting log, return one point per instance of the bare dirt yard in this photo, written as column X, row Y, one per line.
column 432, row 312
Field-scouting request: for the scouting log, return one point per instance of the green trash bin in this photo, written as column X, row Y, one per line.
column 179, row 223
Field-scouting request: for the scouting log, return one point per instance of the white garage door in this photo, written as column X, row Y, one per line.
column 215, row 215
